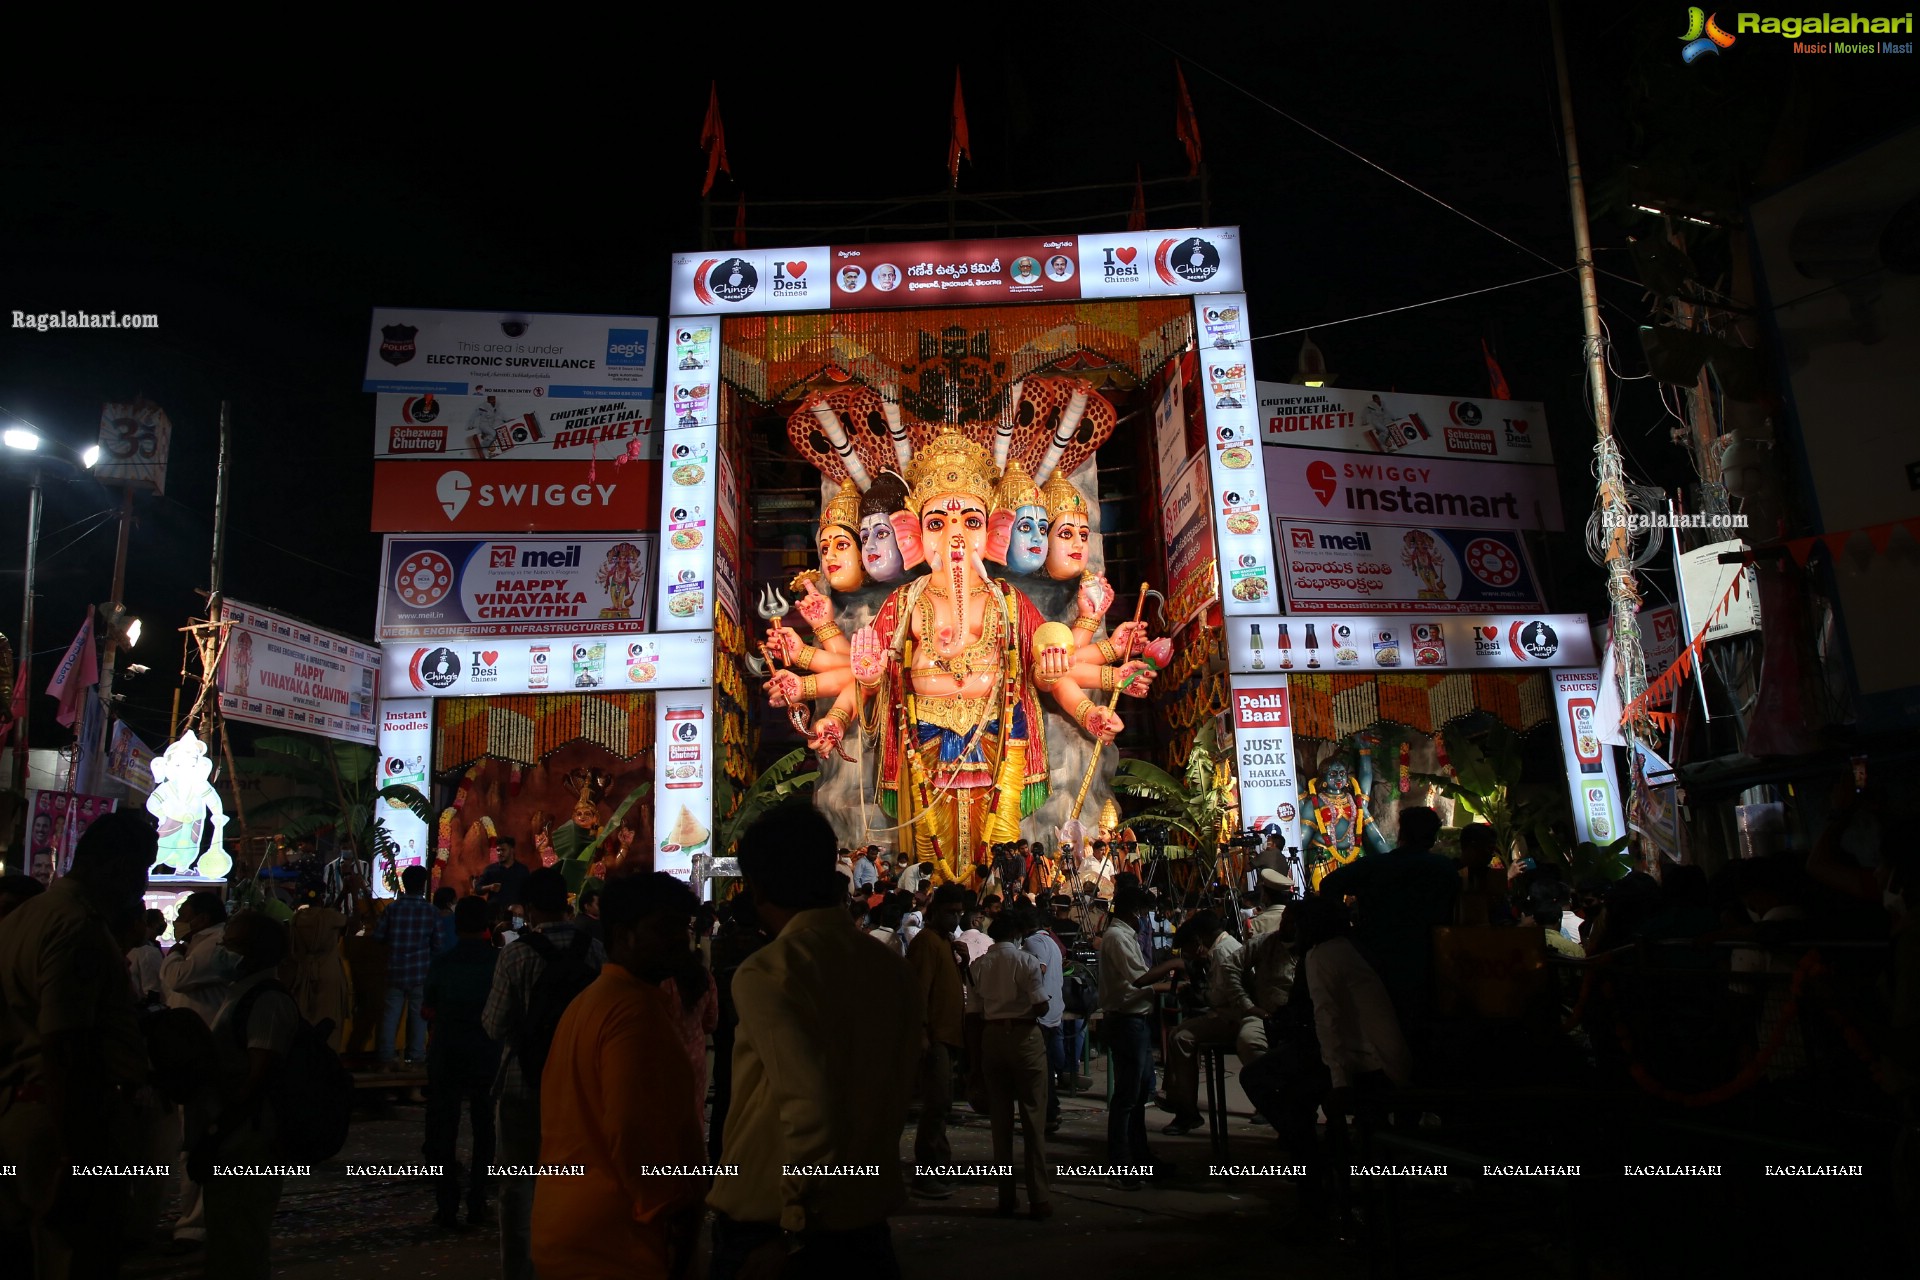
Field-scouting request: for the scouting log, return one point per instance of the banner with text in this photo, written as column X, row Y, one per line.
column 1418, row 491
column 484, row 666
column 1591, row 777
column 531, row 585
column 689, row 501
column 693, row 365
column 1263, row 752
column 1412, row 426
column 58, row 820
column 1384, row 642
column 1333, row 568
column 683, row 771
column 286, row 674
column 485, row 428
column 949, row 273
column 406, row 758
column 1235, row 465
column 415, row 351
column 513, row 496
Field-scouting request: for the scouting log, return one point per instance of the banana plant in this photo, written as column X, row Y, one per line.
column 1194, row 802
column 777, row 783
column 333, row 789
column 1486, row 785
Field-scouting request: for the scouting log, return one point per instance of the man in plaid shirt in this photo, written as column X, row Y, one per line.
column 509, row 1008
column 410, row 928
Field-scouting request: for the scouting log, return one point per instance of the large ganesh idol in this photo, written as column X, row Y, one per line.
column 946, row 684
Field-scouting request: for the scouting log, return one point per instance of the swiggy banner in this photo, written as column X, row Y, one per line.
column 516, row 497
column 1418, row 491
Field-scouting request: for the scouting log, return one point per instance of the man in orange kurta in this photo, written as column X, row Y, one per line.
column 616, row 1102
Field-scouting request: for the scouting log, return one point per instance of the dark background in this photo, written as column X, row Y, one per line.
column 261, row 226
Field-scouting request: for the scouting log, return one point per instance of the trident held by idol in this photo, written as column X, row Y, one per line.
column 773, row 609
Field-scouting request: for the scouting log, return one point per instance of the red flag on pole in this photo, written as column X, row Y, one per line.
column 1186, row 126
column 79, row 671
column 957, row 143
column 713, row 137
column 740, row 222
column 1137, row 216
column 1496, row 380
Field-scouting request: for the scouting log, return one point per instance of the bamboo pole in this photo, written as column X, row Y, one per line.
column 1086, row 783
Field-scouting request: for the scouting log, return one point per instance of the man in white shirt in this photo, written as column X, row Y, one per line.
column 143, row 961
column 194, row 975
column 974, row 942
column 1126, row 1017
column 1100, row 869
column 1038, row 942
column 1353, row 1017
column 1229, row 1019
column 1011, row 986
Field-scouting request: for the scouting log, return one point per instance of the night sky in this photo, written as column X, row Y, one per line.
column 261, row 230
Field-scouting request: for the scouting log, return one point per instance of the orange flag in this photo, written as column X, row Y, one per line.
column 713, row 137
column 957, row 143
column 1186, row 126
column 1137, row 216
column 1496, row 378
column 740, row 222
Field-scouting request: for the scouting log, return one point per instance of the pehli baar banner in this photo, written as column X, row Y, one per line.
column 1327, row 567
column 530, row 585
column 1263, row 750
column 285, row 674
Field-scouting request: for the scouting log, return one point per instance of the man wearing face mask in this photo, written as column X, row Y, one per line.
column 251, row 1036
column 627, row 1216
column 71, row 1058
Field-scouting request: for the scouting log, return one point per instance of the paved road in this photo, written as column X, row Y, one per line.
column 1196, row 1224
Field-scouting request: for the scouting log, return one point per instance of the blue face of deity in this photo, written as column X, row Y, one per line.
column 879, row 549
column 1028, row 550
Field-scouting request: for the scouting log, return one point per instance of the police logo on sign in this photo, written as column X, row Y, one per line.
column 396, row 343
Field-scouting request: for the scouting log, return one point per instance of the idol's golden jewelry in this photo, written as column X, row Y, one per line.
column 950, row 465
column 1083, row 711
column 1109, row 679
column 1063, row 501
column 1040, row 677
column 842, row 509
column 1086, row 622
column 805, row 660
column 1107, row 651
column 810, row 687
column 838, row 716
column 825, row 631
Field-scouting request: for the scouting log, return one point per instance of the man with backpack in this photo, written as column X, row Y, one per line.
column 252, row 1036
column 538, row 975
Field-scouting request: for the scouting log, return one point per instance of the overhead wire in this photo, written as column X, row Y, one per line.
column 1413, row 306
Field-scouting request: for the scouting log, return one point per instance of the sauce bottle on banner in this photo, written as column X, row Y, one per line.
column 1285, row 646
column 1313, row 647
column 1258, row 663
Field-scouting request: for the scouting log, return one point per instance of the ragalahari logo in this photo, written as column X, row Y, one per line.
column 1703, row 36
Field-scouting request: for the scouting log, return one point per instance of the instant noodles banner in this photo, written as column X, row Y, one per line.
column 683, row 773
column 515, row 586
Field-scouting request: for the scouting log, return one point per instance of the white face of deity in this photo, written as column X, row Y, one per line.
column 879, row 550
column 1028, row 550
column 1067, row 548
column 953, row 530
column 840, row 559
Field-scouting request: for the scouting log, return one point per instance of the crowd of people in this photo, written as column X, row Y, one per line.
column 838, row 990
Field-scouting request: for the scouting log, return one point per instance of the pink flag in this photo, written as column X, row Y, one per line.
column 79, row 670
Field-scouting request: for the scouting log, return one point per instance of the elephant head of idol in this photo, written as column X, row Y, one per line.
column 839, row 540
column 953, row 482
